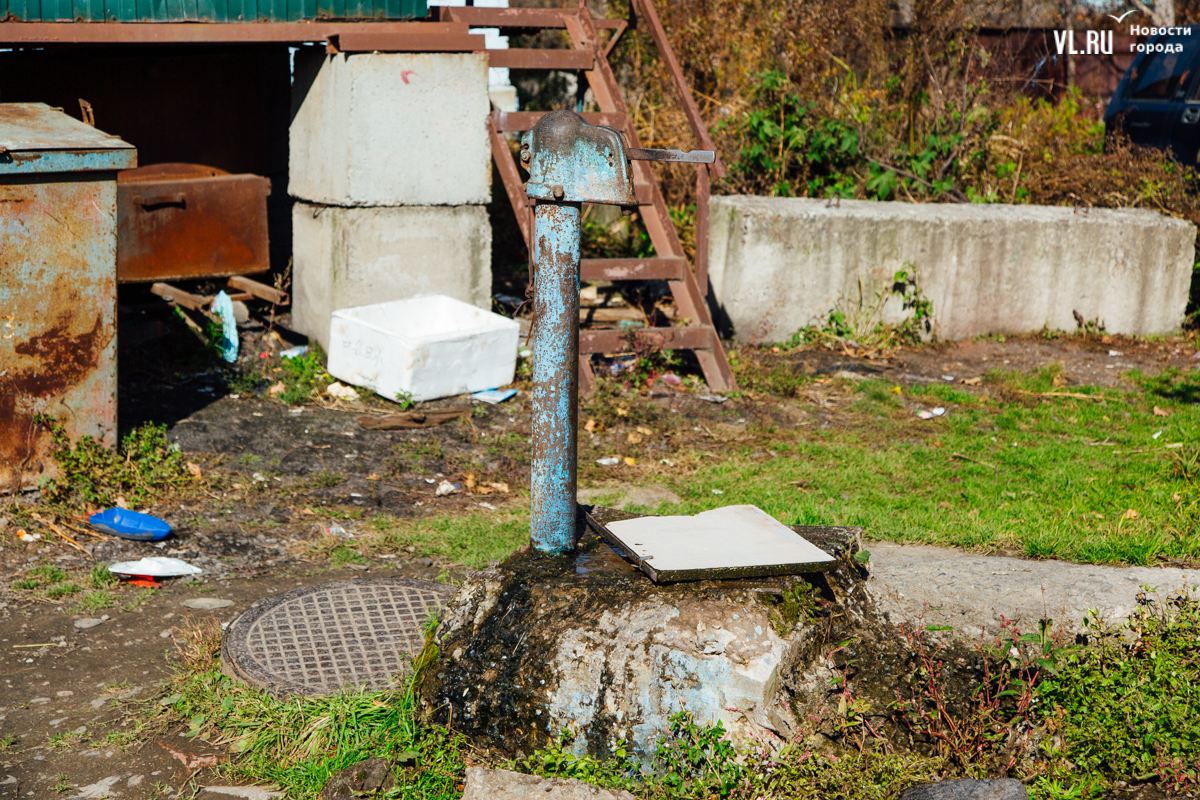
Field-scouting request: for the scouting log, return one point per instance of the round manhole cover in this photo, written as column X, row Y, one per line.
column 319, row 639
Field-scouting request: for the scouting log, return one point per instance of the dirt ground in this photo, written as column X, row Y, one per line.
column 277, row 476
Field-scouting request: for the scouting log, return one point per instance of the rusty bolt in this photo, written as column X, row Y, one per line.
column 558, row 193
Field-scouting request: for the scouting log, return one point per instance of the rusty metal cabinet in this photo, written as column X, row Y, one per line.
column 177, row 221
column 58, row 284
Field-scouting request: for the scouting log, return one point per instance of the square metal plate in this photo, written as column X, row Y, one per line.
column 730, row 542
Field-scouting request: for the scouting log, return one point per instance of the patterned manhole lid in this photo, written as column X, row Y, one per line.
column 319, row 639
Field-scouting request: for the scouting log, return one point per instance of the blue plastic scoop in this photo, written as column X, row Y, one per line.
column 130, row 525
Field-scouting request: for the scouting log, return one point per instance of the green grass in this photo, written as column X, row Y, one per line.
column 47, row 574
column 298, row 744
column 101, row 578
column 140, row 599
column 61, row 590
column 1124, row 708
column 1076, row 478
column 473, row 539
column 1046, row 477
column 97, row 600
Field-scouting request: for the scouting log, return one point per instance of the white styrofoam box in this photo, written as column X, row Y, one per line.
column 428, row 347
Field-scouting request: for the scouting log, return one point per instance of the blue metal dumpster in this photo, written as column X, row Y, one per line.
column 58, row 284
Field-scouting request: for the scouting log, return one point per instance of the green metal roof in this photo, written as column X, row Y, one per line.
column 209, row 10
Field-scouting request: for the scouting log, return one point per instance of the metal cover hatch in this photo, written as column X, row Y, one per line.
column 35, row 138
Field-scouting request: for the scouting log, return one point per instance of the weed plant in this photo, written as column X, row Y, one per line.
column 144, row 465
column 304, row 377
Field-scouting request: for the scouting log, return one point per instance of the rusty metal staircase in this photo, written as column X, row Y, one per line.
column 590, row 55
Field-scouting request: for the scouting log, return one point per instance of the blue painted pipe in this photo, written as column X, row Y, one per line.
column 556, row 227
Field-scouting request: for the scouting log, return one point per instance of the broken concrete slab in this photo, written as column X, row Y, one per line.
column 502, row 784
column 969, row 592
column 206, row 603
column 364, row 779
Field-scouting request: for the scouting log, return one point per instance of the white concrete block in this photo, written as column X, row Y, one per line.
column 390, row 129
column 345, row 257
column 779, row 264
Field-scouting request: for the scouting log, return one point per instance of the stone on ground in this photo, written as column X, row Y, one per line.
column 360, row 780
column 500, row 784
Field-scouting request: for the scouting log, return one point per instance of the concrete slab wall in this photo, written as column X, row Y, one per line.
column 386, row 129
column 779, row 264
column 348, row 257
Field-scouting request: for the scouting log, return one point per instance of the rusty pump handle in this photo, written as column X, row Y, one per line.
column 688, row 156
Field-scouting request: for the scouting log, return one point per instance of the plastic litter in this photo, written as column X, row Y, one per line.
column 671, row 379
column 446, row 487
column 222, row 306
column 155, row 567
column 937, row 412
column 713, row 398
column 608, row 461
column 130, row 525
column 494, row 396
column 294, row 352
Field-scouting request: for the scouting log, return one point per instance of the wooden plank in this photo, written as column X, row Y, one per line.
column 521, row 121
column 174, row 295
column 692, row 338
column 259, row 290
column 541, row 59
column 510, row 176
column 659, row 34
column 632, row 269
column 409, row 42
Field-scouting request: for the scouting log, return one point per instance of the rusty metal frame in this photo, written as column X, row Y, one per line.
column 687, row 286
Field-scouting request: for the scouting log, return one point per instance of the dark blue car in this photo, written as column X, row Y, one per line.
column 1157, row 103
